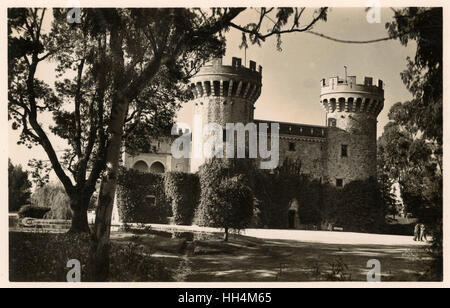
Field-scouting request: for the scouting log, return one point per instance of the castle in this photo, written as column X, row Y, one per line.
column 342, row 150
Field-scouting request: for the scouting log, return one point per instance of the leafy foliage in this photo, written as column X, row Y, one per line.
column 358, row 207
column 40, row 171
column 182, row 190
column 141, row 197
column 43, row 257
column 226, row 199
column 33, row 211
column 128, row 70
column 18, row 187
column 412, row 161
column 54, row 197
column 275, row 192
column 230, row 206
column 423, row 76
column 413, row 139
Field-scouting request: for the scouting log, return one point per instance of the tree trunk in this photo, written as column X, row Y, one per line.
column 79, row 208
column 99, row 254
column 225, row 236
column 79, row 222
column 122, row 95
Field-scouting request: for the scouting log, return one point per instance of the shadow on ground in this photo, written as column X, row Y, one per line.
column 247, row 259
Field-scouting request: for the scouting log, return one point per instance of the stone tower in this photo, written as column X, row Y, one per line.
column 224, row 94
column 352, row 111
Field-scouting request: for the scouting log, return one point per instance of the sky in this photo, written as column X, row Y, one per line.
column 290, row 90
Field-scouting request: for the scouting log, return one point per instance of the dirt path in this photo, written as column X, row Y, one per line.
column 284, row 260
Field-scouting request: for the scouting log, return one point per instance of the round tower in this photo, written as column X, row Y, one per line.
column 352, row 111
column 224, row 94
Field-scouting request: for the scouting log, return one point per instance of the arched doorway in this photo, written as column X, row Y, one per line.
column 157, row 167
column 293, row 219
column 140, row 166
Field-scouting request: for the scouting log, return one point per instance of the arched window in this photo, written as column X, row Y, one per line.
column 140, row 166
column 157, row 167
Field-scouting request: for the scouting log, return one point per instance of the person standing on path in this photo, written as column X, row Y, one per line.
column 416, row 232
column 423, row 236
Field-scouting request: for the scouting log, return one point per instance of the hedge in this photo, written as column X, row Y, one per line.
column 356, row 207
column 212, row 174
column 33, row 211
column 141, row 197
column 274, row 192
column 182, row 190
column 226, row 198
column 189, row 197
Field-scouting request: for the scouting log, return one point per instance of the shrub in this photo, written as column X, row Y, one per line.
column 33, row 211
column 141, row 197
column 54, row 197
column 42, row 257
column 140, row 267
column 182, row 189
column 356, row 207
column 226, row 199
column 18, row 187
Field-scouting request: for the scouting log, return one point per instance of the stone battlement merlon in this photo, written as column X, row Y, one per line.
column 216, row 79
column 235, row 63
column 216, row 70
column 350, row 83
column 346, row 95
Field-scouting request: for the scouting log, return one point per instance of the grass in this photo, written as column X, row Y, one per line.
column 159, row 257
column 42, row 257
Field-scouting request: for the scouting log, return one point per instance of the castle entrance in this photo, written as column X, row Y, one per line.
column 291, row 219
column 293, row 214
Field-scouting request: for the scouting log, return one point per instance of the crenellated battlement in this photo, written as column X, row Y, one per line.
column 216, row 79
column 346, row 95
column 351, row 83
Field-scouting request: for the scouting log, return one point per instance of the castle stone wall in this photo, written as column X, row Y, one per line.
column 310, row 153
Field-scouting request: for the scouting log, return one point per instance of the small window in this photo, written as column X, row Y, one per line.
column 332, row 122
column 150, row 200
column 291, row 146
column 344, row 150
column 339, row 182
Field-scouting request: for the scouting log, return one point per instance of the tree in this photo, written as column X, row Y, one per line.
column 386, row 184
column 182, row 190
column 226, row 196
column 124, row 51
column 406, row 157
column 79, row 102
column 54, row 197
column 19, row 187
column 175, row 38
column 410, row 159
column 423, row 76
column 229, row 206
column 422, row 187
column 360, row 206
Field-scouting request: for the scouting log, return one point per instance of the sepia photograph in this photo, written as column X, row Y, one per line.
column 217, row 144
